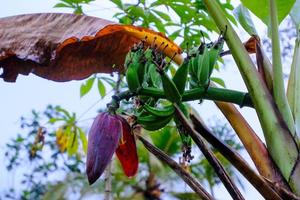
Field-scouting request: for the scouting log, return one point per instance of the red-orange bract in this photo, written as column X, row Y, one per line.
column 126, row 151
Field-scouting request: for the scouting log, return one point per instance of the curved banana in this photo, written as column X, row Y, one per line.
column 180, row 76
column 214, row 53
column 163, row 112
column 203, row 73
column 153, row 123
column 170, row 89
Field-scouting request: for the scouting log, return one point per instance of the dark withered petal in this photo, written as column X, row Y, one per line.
column 126, row 151
column 103, row 140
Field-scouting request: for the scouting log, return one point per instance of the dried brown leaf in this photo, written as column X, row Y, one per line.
column 64, row 47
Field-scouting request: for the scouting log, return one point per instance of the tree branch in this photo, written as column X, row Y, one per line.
column 188, row 179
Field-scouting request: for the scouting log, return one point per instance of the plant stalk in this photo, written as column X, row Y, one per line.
column 278, row 85
column 210, row 93
column 278, row 137
column 236, row 160
column 254, row 146
column 188, row 179
column 214, row 162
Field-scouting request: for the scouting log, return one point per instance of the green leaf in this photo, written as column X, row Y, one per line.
column 110, row 81
column 175, row 34
column 167, row 139
column 64, row 111
column 261, row 8
column 186, row 195
column 53, row 120
column 162, row 15
column 62, row 5
column 83, row 139
column 101, row 88
column 218, row 81
column 242, row 14
column 118, row 3
column 86, row 87
column 295, row 14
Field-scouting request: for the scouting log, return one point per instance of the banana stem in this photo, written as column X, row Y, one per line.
column 219, row 94
column 278, row 137
column 278, row 89
column 211, row 93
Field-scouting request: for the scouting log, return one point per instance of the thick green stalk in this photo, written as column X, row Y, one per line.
column 278, row 137
column 211, row 93
column 219, row 94
column 278, row 85
column 293, row 90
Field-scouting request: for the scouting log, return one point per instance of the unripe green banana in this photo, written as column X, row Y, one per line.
column 160, row 112
column 214, row 53
column 132, row 77
column 180, row 76
column 153, row 78
column 135, row 69
column 153, row 123
column 170, row 89
column 203, row 75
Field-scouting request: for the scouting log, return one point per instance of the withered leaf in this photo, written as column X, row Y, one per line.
column 64, row 47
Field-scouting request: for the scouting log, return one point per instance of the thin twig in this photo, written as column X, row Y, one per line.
column 214, row 162
column 107, row 181
column 188, row 179
column 236, row 160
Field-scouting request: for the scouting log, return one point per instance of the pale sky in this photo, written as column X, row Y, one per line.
column 31, row 92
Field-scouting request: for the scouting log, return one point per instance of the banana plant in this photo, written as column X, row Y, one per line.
column 161, row 97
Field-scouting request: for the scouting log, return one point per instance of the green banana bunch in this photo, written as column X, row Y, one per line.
column 152, row 78
column 201, row 63
column 214, row 53
column 134, row 69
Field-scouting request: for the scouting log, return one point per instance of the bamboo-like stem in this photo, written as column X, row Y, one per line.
column 278, row 137
column 254, row 146
column 236, row 160
column 188, row 179
column 219, row 169
column 278, row 85
column 293, row 90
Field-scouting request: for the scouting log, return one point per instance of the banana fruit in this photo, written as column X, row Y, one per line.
column 201, row 63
